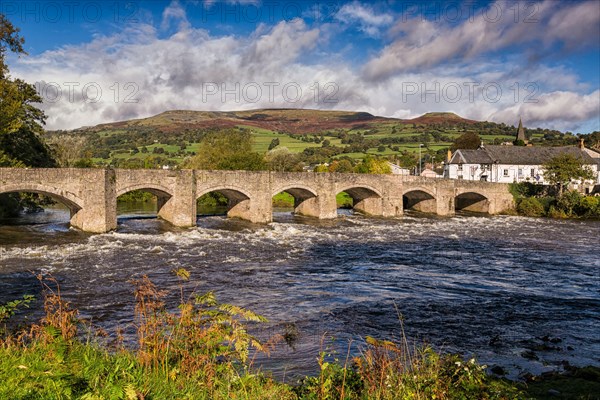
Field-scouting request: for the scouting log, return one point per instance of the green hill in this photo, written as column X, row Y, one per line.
column 318, row 135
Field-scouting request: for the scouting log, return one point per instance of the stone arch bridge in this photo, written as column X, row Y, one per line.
column 91, row 194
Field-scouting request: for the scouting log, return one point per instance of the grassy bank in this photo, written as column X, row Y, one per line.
column 203, row 350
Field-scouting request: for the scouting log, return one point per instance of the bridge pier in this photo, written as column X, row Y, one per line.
column 98, row 213
column 180, row 208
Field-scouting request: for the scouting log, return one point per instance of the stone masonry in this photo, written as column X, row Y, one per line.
column 91, row 194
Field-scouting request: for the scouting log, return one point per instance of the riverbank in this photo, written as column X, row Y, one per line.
column 202, row 349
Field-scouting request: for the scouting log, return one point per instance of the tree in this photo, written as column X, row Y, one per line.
column 67, row 149
column 564, row 168
column 274, row 143
column 226, row 150
column 370, row 165
column 16, row 96
column 281, row 159
column 20, row 122
column 469, row 140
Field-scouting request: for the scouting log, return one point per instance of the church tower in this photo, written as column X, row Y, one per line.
column 521, row 132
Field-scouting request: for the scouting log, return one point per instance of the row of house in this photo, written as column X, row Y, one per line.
column 508, row 163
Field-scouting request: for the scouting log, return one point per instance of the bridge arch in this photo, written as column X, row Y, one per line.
column 419, row 199
column 365, row 198
column 305, row 199
column 73, row 202
column 155, row 189
column 472, row 201
column 238, row 199
column 162, row 194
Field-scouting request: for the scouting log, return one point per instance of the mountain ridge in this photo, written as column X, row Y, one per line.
column 289, row 120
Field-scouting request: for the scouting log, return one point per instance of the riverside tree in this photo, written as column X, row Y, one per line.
column 563, row 169
column 20, row 121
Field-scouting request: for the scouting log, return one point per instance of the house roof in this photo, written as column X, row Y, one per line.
column 518, row 155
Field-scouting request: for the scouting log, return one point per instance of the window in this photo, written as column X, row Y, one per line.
column 520, row 172
column 505, row 172
column 532, row 173
column 460, row 167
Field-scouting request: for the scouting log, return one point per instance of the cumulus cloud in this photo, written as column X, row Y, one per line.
column 175, row 12
column 559, row 108
column 364, row 17
column 139, row 72
column 421, row 43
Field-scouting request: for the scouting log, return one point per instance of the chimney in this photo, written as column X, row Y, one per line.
column 581, row 145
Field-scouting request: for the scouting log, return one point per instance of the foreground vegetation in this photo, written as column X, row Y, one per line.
column 203, row 350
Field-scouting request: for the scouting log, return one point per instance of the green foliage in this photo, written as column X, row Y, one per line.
column 563, row 169
column 344, row 200
column 283, row 160
column 589, row 207
column 469, row 140
column 371, row 165
column 274, row 143
column 519, row 143
column 283, row 200
column 530, row 207
column 526, row 189
column 9, row 309
column 226, row 150
column 568, row 201
column 136, row 196
column 211, row 201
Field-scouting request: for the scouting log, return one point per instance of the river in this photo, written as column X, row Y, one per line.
column 520, row 293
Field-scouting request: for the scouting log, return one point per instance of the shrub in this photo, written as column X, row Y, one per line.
column 589, row 206
column 555, row 212
column 568, row 202
column 530, row 207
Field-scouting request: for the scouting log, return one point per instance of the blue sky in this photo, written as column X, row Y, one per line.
column 101, row 61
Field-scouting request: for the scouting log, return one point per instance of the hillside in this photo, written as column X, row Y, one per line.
column 318, row 136
column 297, row 121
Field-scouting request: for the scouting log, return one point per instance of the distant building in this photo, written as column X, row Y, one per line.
column 398, row 170
column 508, row 164
column 429, row 173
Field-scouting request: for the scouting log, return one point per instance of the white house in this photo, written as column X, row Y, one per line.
column 508, row 164
column 398, row 170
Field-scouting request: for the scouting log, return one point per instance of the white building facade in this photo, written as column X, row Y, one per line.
column 509, row 164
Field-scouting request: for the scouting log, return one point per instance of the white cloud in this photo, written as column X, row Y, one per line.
column 561, row 109
column 423, row 44
column 365, row 17
column 191, row 69
column 175, row 12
